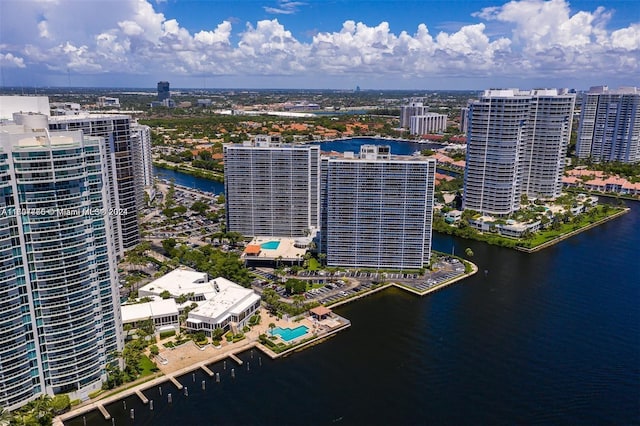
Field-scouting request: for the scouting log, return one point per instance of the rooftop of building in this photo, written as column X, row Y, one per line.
column 628, row 90
column 221, row 296
column 179, row 281
column 514, row 92
column 228, row 298
column 142, row 311
column 376, row 155
column 84, row 116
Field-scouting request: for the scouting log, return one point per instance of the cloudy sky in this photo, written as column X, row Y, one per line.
column 338, row 44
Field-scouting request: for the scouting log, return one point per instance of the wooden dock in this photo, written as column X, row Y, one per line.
column 235, row 358
column 104, row 412
column 207, row 370
column 176, row 382
column 143, row 398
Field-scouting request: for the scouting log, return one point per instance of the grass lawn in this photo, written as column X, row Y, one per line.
column 585, row 220
column 312, row 286
column 147, row 367
column 313, row 264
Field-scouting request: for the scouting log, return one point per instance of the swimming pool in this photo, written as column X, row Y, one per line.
column 270, row 245
column 289, row 334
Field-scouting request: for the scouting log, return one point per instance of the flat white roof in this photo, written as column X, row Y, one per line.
column 148, row 310
column 222, row 296
column 177, row 282
column 230, row 299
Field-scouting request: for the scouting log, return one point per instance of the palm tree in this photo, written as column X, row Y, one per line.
column 271, row 327
column 5, row 417
column 41, row 409
column 298, row 299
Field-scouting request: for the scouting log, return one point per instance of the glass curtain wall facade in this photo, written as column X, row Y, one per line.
column 59, row 307
column 126, row 189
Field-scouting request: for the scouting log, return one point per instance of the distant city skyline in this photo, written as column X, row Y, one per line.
column 432, row 45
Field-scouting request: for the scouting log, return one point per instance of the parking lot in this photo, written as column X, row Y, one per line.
column 339, row 285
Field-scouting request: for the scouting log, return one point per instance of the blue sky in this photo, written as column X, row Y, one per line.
column 332, row 44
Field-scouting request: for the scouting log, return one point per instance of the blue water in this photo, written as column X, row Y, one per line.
column 208, row 185
column 289, row 334
column 397, row 147
column 270, row 245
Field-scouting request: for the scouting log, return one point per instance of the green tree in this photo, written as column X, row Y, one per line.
column 5, row 417
column 60, row 403
column 41, row 409
column 154, row 350
column 168, row 245
column 295, row 286
column 199, row 207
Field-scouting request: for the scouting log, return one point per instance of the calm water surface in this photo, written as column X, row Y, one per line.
column 545, row 338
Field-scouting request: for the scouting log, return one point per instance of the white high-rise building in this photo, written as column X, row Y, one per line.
column 609, row 127
column 59, row 317
column 122, row 152
column 377, row 209
column 272, row 189
column 141, row 140
column 464, row 119
column 429, row 122
column 516, row 144
column 414, row 107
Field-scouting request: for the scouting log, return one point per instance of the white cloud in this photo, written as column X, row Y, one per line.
column 43, row 29
column 549, row 37
column 545, row 38
column 626, row 38
column 10, row 61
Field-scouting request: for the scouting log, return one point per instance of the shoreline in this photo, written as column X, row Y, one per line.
column 546, row 244
column 563, row 237
column 189, row 170
column 161, row 378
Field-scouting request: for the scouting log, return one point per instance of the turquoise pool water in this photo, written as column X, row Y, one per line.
column 289, row 334
column 270, row 245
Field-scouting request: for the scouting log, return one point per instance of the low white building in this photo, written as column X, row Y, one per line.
column 517, row 229
column 220, row 302
column 179, row 282
column 163, row 313
column 229, row 304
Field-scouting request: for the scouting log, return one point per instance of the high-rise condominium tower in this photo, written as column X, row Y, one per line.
column 516, row 144
column 143, row 166
column 429, row 122
column 59, row 315
column 377, row 209
column 412, row 108
column 272, row 189
column 163, row 90
column 122, row 151
column 609, row 127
